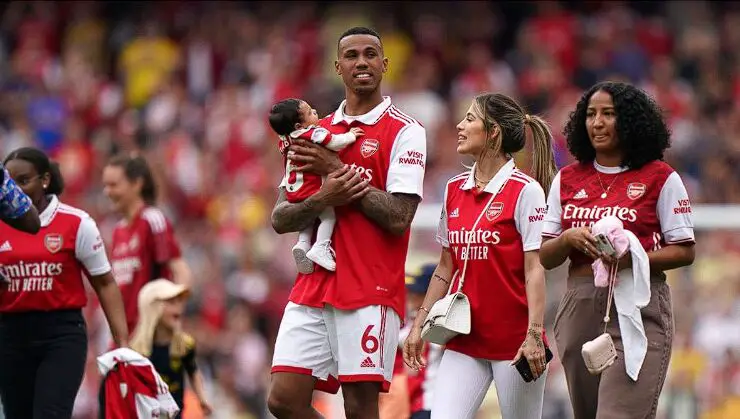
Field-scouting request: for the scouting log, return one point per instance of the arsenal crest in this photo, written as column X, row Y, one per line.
column 369, row 147
column 494, row 210
column 636, row 190
column 53, row 242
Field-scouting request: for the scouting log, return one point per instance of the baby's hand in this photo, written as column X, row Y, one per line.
column 357, row 131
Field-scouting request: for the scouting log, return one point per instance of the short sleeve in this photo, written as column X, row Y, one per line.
column 553, row 226
column 529, row 215
column 408, row 161
column 442, row 229
column 13, row 202
column 317, row 135
column 165, row 245
column 90, row 249
column 674, row 211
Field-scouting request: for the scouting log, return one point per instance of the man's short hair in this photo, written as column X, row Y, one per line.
column 359, row 30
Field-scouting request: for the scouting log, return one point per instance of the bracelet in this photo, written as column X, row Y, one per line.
column 424, row 308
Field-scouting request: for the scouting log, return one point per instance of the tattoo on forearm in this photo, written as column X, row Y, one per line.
column 441, row 279
column 288, row 217
column 393, row 212
column 537, row 336
column 537, row 325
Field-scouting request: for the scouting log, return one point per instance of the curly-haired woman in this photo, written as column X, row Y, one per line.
column 618, row 135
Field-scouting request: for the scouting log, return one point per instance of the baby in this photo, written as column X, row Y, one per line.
column 293, row 119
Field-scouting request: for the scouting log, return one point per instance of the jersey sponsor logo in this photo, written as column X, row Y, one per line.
column 636, row 190
column 477, row 236
column 365, row 173
column 412, row 158
column 539, row 215
column 98, row 244
column 586, row 216
column 124, row 269
column 53, row 242
column 369, row 147
column 683, row 207
column 29, row 277
column 472, row 244
column 494, row 210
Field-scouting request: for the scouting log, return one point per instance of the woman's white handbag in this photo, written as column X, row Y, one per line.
column 450, row 316
column 447, row 318
column 600, row 353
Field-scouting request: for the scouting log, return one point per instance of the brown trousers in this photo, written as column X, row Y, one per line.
column 613, row 394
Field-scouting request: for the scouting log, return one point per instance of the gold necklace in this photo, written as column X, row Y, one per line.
column 606, row 191
column 479, row 182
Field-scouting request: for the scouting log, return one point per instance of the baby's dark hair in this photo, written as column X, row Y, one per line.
column 284, row 115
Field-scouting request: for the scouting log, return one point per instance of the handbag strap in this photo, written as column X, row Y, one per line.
column 613, row 268
column 472, row 231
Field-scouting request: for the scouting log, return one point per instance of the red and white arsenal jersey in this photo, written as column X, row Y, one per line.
column 46, row 269
column 140, row 252
column 300, row 185
column 494, row 276
column 652, row 202
column 370, row 261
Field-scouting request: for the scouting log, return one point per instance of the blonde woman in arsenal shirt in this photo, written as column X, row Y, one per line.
column 490, row 232
column 618, row 136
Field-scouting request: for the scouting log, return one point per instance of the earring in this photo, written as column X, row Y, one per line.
column 46, row 186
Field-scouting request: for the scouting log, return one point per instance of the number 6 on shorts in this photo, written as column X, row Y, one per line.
column 366, row 344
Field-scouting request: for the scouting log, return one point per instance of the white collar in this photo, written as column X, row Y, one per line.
column 48, row 214
column 496, row 182
column 609, row 170
column 370, row 118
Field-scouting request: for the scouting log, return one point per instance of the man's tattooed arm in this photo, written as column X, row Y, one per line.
column 287, row 217
column 392, row 212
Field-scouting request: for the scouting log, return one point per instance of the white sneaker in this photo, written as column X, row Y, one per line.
column 303, row 263
column 323, row 255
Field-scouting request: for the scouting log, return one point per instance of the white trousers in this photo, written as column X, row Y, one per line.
column 462, row 383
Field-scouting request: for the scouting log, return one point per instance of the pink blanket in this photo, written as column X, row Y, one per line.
column 613, row 228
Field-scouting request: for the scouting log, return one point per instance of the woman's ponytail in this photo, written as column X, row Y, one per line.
column 543, row 159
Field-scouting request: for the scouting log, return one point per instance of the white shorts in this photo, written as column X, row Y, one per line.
column 338, row 346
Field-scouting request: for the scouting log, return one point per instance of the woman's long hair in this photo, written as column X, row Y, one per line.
column 143, row 338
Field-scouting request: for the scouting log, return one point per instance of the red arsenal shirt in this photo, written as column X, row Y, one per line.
column 301, row 185
column 46, row 270
column 513, row 208
column 652, row 202
column 140, row 251
column 370, row 261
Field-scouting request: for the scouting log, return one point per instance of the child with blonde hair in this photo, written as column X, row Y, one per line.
column 159, row 337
